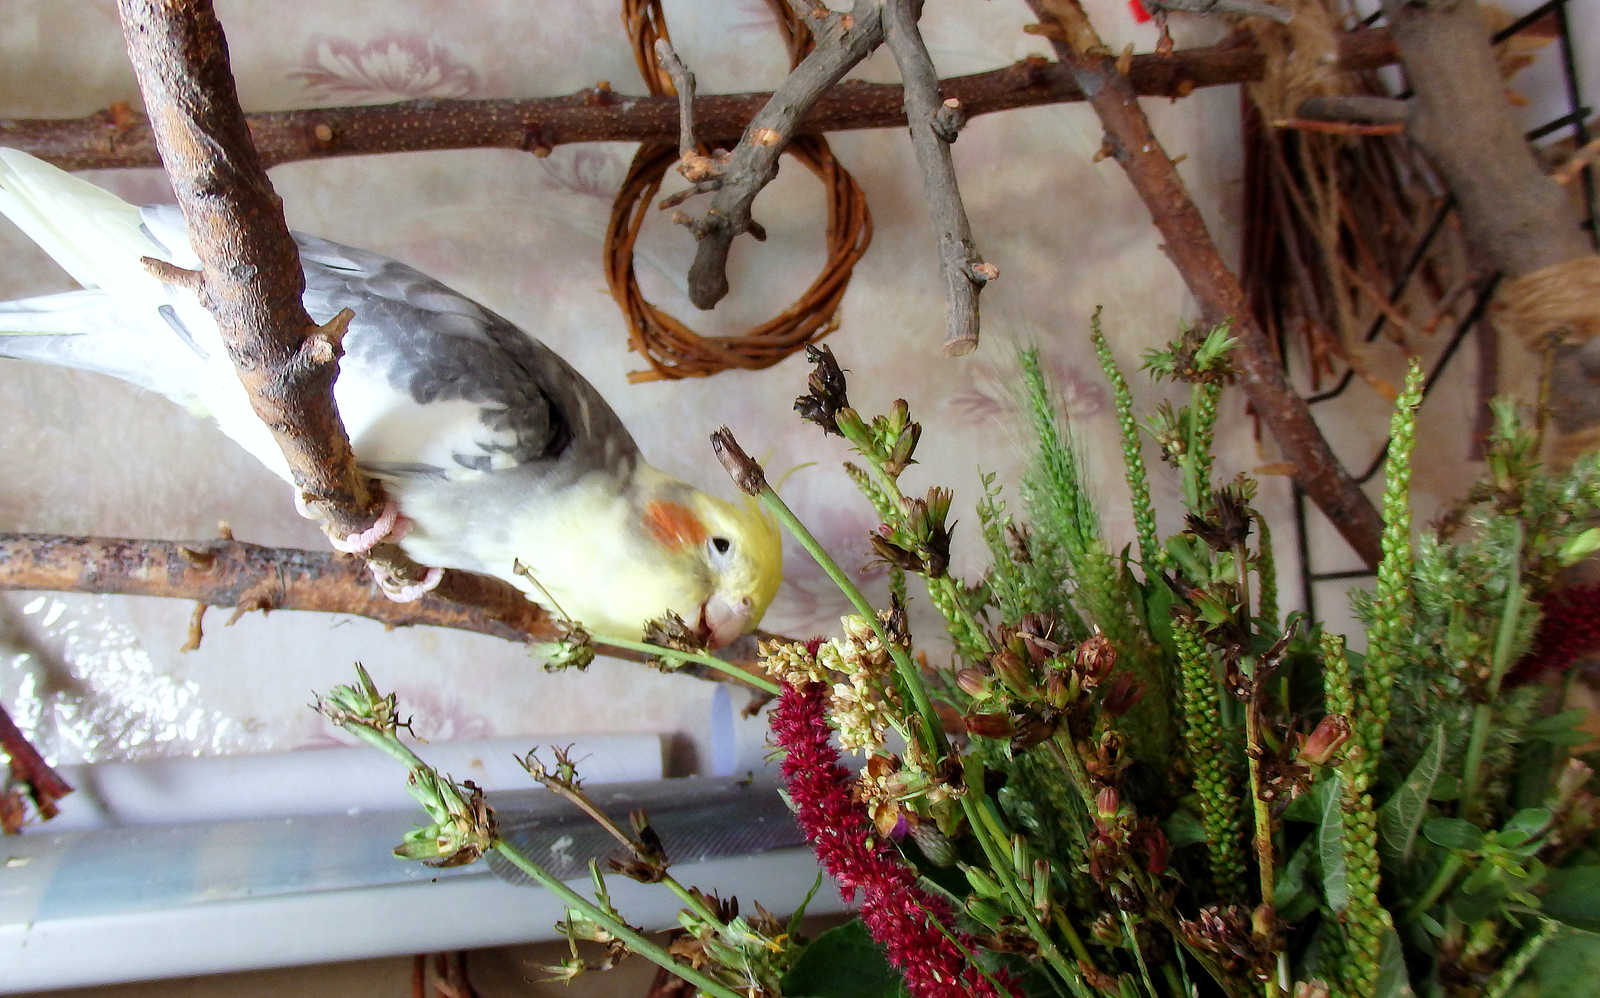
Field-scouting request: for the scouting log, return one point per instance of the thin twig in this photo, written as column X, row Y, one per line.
column 705, row 172
column 1243, row 8
column 842, row 41
column 29, row 771
column 1338, row 127
column 1567, row 172
column 1362, row 108
column 934, row 122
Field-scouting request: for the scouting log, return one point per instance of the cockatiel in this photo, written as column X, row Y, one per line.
column 494, row 449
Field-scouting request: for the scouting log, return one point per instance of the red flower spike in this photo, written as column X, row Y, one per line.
column 1569, row 630
column 1139, row 13
column 912, row 925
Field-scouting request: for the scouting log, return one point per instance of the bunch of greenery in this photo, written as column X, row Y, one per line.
column 1136, row 778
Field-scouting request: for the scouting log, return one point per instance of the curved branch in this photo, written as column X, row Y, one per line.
column 119, row 138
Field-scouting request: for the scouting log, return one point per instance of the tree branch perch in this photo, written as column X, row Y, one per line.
column 933, row 124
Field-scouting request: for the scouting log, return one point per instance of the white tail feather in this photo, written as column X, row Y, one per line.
column 94, row 235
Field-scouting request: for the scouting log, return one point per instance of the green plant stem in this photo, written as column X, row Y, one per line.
column 693, row 902
column 634, row 940
column 391, row 745
column 1197, row 450
column 910, row 678
column 1265, row 859
column 1203, row 744
column 1152, row 556
column 709, row 661
column 1472, row 765
column 1441, row 883
column 989, row 832
column 1138, row 954
column 1390, row 635
column 1501, row 984
column 944, row 591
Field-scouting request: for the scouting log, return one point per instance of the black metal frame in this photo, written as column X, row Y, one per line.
column 1575, row 117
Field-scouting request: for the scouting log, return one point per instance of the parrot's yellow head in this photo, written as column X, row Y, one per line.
column 738, row 547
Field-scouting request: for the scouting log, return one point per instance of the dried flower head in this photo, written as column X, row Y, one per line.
column 821, row 404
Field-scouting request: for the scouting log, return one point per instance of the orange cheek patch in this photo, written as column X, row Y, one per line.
column 673, row 525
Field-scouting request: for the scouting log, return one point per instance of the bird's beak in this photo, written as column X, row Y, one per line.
column 725, row 619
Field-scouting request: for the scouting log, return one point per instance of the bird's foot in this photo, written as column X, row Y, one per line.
column 390, row 526
column 403, row 592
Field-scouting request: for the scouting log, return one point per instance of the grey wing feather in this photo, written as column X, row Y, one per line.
column 434, row 345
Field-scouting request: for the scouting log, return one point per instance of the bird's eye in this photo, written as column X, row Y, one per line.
column 721, row 545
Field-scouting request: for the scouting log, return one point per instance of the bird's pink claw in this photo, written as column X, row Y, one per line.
column 370, row 538
column 400, row 593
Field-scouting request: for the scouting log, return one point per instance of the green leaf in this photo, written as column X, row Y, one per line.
column 1566, row 739
column 1393, row 981
column 1401, row 815
column 1555, row 722
column 1529, row 821
column 1184, row 829
column 1453, row 833
column 1330, row 845
column 843, row 962
column 1569, row 964
column 1293, row 895
column 1574, row 896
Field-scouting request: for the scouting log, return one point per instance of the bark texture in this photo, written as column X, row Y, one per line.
column 119, row 137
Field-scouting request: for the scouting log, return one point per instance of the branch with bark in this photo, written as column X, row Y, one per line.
column 841, row 41
column 1155, row 177
column 251, row 577
column 935, row 122
column 120, row 137
column 30, row 778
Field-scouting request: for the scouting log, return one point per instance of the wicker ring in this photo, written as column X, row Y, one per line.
column 672, row 349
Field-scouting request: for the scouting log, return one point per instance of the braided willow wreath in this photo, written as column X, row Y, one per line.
column 672, row 349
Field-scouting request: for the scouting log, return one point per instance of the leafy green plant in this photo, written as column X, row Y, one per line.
column 1135, row 776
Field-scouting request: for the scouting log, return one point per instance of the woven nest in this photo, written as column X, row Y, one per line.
column 672, row 349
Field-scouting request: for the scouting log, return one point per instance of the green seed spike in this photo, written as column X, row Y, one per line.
column 1151, row 554
column 1392, row 609
column 1203, row 744
column 1266, row 571
column 1203, row 399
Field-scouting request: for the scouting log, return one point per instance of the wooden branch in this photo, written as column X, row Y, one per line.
column 1243, row 8
column 1460, row 117
column 230, row 573
column 842, row 41
column 121, row 138
column 934, row 124
column 252, row 281
column 1215, row 287
column 29, row 774
column 252, row 577
column 1356, row 107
